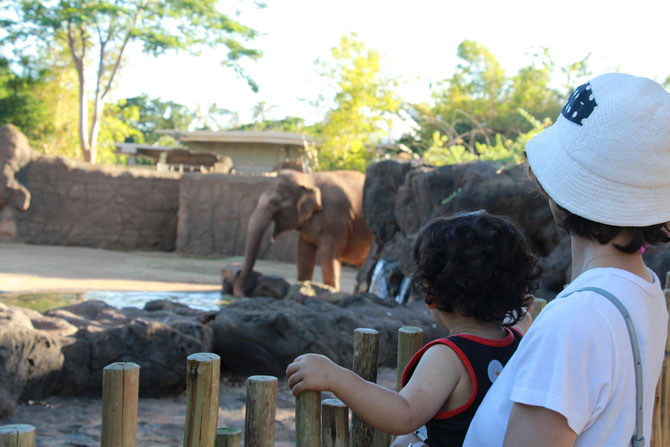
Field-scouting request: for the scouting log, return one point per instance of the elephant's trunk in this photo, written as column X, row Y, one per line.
column 258, row 222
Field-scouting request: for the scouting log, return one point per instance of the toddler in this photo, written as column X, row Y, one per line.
column 475, row 271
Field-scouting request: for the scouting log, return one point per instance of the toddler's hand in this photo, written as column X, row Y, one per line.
column 311, row 372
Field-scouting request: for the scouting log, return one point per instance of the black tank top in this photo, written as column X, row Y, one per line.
column 484, row 360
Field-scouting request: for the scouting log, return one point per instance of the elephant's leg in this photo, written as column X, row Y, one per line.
column 306, row 258
column 330, row 268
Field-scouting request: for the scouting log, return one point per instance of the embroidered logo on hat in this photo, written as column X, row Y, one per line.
column 580, row 105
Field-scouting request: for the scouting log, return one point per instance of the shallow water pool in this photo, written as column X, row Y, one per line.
column 44, row 301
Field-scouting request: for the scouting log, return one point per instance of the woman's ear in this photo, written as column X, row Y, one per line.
column 308, row 203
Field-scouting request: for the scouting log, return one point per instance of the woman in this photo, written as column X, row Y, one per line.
column 605, row 168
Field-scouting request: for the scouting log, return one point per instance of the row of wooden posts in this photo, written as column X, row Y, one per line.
column 318, row 422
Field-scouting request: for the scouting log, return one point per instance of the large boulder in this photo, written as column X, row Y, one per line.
column 257, row 284
column 382, row 181
column 64, row 351
column 31, row 359
column 264, row 335
column 425, row 189
column 428, row 192
column 402, row 197
column 106, row 335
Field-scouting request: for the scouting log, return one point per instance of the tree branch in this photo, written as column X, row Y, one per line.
column 117, row 63
column 78, row 61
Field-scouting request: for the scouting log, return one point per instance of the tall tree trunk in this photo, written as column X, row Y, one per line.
column 95, row 129
column 79, row 60
column 83, row 120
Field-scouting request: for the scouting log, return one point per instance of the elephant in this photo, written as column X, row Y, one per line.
column 326, row 208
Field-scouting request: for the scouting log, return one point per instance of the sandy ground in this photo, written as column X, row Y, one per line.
column 29, row 268
column 75, row 422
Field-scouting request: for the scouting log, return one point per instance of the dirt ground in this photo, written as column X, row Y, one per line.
column 30, row 268
column 75, row 422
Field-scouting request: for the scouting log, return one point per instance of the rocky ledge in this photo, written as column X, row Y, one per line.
column 63, row 351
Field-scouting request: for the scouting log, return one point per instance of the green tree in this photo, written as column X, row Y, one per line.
column 479, row 107
column 102, row 30
column 40, row 98
column 288, row 124
column 148, row 115
column 20, row 103
column 364, row 104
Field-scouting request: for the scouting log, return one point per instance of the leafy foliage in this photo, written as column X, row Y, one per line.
column 20, row 103
column 41, row 100
column 105, row 28
column 289, row 124
column 363, row 105
column 481, row 113
column 147, row 115
column 502, row 150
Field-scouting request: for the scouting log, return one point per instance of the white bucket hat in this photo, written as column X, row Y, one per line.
column 607, row 157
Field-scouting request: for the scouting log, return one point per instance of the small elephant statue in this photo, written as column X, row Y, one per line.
column 326, row 208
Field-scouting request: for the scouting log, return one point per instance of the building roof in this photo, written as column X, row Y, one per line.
column 132, row 148
column 239, row 136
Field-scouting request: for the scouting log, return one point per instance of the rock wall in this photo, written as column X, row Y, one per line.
column 15, row 154
column 214, row 211
column 400, row 197
column 74, row 203
column 57, row 201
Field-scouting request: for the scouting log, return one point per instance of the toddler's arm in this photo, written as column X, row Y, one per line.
column 434, row 378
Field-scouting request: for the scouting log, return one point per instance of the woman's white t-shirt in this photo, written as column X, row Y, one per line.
column 577, row 360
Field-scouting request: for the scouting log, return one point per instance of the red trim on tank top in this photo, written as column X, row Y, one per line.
column 473, row 378
column 489, row 342
column 415, row 359
column 461, row 355
column 417, row 356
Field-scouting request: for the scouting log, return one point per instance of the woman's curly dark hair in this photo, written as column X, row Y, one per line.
column 476, row 264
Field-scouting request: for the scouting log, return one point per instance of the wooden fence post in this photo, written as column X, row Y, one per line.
column 334, row 423
column 660, row 430
column 308, row 419
column 17, row 435
column 366, row 353
column 381, row 439
column 537, row 306
column 259, row 420
column 228, row 437
column 120, row 389
column 410, row 340
column 202, row 401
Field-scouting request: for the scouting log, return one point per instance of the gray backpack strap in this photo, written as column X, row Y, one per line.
column 638, row 436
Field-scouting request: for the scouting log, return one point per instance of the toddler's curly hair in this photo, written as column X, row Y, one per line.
column 476, row 264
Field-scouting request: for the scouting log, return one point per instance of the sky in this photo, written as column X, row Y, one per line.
column 417, row 40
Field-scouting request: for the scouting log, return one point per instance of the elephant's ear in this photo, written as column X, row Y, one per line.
column 308, row 203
